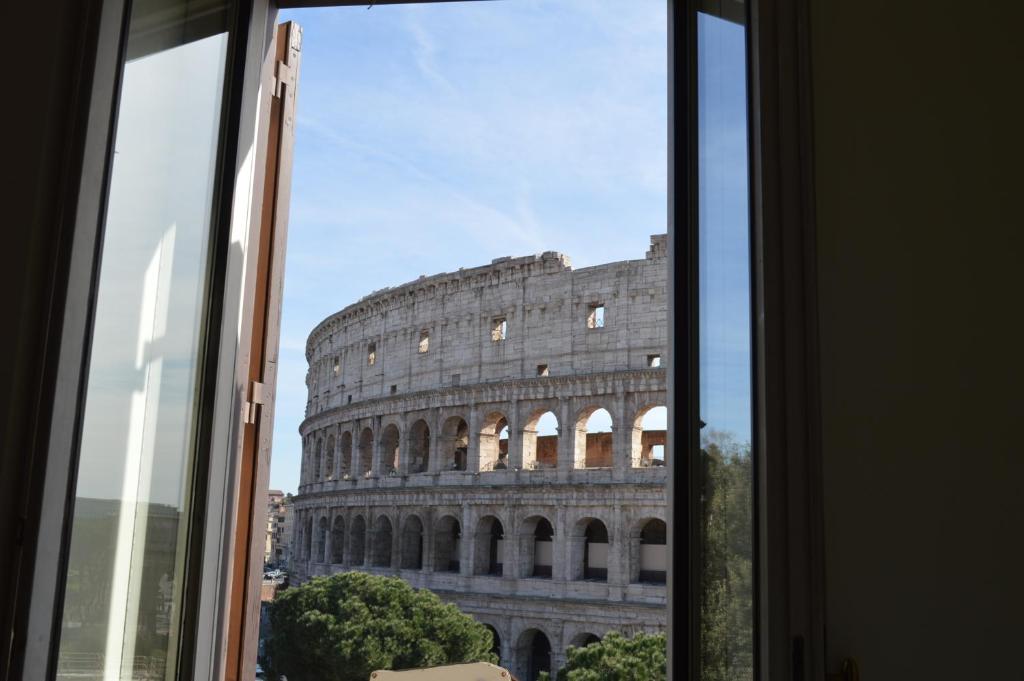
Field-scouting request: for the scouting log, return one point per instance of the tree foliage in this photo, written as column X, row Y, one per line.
column 342, row 627
column 727, row 575
column 617, row 658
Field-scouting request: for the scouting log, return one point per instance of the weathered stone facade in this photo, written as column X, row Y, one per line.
column 407, row 469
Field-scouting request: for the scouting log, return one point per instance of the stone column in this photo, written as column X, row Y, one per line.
column 560, row 549
column 329, row 538
column 622, row 438
column 510, row 561
column 377, row 464
column 467, row 542
column 434, row 465
column 428, row 516
column 618, row 545
column 566, row 435
column 403, row 446
column 396, row 540
column 473, row 453
column 515, row 437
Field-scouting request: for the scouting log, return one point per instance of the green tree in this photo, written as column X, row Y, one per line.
column 727, row 576
column 617, row 658
column 342, row 627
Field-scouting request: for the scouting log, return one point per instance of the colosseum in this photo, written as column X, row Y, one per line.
column 425, row 453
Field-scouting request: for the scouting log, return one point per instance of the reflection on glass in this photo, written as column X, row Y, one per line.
column 727, row 652
column 122, row 603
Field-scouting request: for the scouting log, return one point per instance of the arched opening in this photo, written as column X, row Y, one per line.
column 318, row 470
column 365, row 451
column 307, row 548
column 534, row 651
column 412, row 544
column 490, row 547
column 536, row 547
column 540, row 441
column 593, row 563
column 389, row 441
column 494, row 442
column 382, row 538
column 593, row 446
column 329, row 459
column 652, row 558
column 454, row 444
column 447, row 544
column 345, row 454
column 321, row 541
column 495, row 642
column 338, row 541
column 419, row 447
column 357, row 547
column 650, row 437
column 584, row 639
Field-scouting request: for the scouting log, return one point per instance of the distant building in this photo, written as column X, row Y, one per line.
column 278, row 544
column 423, row 456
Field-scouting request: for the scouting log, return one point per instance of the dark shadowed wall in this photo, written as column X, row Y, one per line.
column 918, row 150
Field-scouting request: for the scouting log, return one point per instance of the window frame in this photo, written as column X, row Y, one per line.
column 788, row 565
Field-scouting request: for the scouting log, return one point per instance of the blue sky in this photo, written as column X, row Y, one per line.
column 433, row 137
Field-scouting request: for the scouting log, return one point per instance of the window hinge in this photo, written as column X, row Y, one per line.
column 255, row 398
column 283, row 75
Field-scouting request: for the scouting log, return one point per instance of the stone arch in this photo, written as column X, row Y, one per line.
column 447, row 544
column 338, row 540
column 365, row 451
column 489, row 553
column 318, row 472
column 454, row 444
column 494, row 442
column 383, row 534
column 411, row 548
column 389, row 445
column 536, row 547
column 419, row 447
column 592, row 443
column 533, row 653
column 584, row 639
column 649, row 437
column 321, row 540
column 589, row 547
column 357, row 541
column 329, row 458
column 495, row 641
column 648, row 551
column 345, row 455
column 540, row 448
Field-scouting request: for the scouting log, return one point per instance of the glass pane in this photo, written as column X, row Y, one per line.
column 123, row 598
column 725, row 353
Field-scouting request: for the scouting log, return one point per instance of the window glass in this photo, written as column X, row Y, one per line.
column 725, row 353
column 123, row 597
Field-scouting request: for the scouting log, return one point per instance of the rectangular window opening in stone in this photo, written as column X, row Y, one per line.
column 499, row 328
column 654, row 361
column 424, row 341
column 371, row 354
column 394, row 389
column 456, row 379
column 337, row 365
column 542, row 369
column 595, row 316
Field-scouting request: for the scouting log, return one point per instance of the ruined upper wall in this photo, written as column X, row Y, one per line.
column 544, row 301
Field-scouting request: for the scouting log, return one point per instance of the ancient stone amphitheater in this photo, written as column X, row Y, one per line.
column 425, row 453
